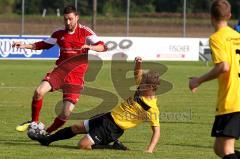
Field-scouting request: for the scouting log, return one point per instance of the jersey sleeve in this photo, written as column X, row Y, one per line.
column 92, row 38
column 154, row 116
column 42, row 45
column 218, row 51
column 47, row 43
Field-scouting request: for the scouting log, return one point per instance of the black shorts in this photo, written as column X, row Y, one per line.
column 102, row 129
column 227, row 125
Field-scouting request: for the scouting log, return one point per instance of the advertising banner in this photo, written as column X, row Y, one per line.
column 126, row 48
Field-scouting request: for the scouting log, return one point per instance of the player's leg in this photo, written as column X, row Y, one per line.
column 71, row 87
column 37, row 99
column 90, row 127
column 224, row 147
column 61, row 119
column 39, row 93
column 88, row 143
column 65, row 133
column 226, row 129
column 85, row 143
column 102, row 131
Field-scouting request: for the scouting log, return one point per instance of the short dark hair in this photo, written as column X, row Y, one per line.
column 220, row 10
column 69, row 9
column 152, row 78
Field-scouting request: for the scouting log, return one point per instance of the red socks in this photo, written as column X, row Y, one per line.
column 56, row 124
column 36, row 107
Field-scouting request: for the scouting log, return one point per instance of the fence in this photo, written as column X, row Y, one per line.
column 179, row 24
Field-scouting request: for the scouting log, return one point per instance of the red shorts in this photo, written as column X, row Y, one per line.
column 71, row 82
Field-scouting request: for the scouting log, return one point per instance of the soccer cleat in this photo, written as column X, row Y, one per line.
column 23, row 127
column 32, row 135
column 43, row 139
column 119, row 146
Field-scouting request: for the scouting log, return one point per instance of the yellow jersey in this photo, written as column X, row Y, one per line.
column 225, row 47
column 136, row 110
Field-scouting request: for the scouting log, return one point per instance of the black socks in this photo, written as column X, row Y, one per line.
column 62, row 134
column 231, row 156
column 237, row 153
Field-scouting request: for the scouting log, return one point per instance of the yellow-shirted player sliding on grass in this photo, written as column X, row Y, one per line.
column 102, row 130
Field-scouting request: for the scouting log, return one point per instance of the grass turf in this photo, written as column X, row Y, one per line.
column 186, row 118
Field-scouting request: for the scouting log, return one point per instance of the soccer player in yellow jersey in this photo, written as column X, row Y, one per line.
column 107, row 128
column 225, row 47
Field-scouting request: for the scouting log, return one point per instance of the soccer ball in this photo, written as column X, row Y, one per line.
column 35, row 129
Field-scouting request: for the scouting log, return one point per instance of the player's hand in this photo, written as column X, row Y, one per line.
column 193, row 83
column 148, row 151
column 18, row 44
column 138, row 59
column 86, row 47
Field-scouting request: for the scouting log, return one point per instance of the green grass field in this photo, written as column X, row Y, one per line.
column 186, row 118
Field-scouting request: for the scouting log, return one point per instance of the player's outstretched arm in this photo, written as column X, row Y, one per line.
column 218, row 69
column 21, row 45
column 98, row 48
column 138, row 69
column 154, row 139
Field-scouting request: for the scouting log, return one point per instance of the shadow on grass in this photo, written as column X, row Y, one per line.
column 72, row 147
column 64, row 146
column 76, row 148
column 30, row 142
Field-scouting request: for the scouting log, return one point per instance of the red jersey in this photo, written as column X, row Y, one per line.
column 70, row 43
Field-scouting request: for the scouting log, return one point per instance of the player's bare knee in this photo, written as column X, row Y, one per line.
column 38, row 95
column 226, row 151
column 222, row 151
column 81, row 145
column 63, row 117
column 67, row 114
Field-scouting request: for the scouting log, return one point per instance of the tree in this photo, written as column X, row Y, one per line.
column 196, row 6
column 6, row 6
column 142, row 6
column 168, row 6
column 114, row 7
column 235, row 8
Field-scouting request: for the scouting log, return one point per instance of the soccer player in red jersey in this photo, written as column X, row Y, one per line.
column 74, row 41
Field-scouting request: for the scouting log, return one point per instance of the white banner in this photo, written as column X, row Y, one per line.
column 149, row 48
column 119, row 48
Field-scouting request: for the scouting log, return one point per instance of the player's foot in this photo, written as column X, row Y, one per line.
column 32, row 135
column 23, row 127
column 43, row 140
column 119, row 146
